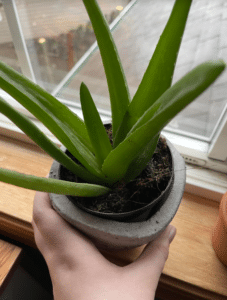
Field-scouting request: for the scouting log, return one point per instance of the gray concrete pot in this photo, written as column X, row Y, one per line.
column 109, row 234
column 136, row 215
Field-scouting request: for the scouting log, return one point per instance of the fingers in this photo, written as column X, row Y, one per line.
column 54, row 235
column 150, row 264
column 46, row 223
column 45, row 217
column 157, row 251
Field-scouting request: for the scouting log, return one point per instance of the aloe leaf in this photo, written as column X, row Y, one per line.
column 64, row 124
column 31, row 130
column 140, row 163
column 96, row 130
column 118, row 88
column 183, row 92
column 50, row 185
column 168, row 105
column 158, row 76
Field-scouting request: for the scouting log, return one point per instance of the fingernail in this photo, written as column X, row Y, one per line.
column 172, row 234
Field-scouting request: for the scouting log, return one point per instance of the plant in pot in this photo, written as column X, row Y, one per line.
column 121, row 184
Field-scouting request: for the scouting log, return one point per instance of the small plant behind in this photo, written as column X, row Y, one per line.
column 136, row 123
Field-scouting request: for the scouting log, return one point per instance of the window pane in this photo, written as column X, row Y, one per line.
column 7, row 51
column 204, row 39
column 57, row 35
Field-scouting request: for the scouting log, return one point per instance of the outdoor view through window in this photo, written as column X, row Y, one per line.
column 60, row 47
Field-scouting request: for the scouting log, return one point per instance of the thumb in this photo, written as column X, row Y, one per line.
column 155, row 254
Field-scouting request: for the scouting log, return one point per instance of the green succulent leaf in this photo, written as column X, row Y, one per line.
column 64, row 124
column 50, row 185
column 96, row 130
column 158, row 76
column 140, row 163
column 159, row 115
column 182, row 92
column 31, row 130
column 118, row 88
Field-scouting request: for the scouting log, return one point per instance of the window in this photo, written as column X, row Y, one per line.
column 7, row 49
column 59, row 51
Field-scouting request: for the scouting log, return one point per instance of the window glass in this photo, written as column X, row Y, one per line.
column 58, row 33
column 7, row 50
column 204, row 39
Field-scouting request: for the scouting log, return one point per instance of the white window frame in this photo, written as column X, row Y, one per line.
column 218, row 148
column 18, row 38
column 200, row 180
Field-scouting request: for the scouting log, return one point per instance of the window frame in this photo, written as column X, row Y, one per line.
column 217, row 148
column 18, row 38
column 202, row 153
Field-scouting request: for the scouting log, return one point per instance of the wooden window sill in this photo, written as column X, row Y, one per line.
column 192, row 270
column 9, row 258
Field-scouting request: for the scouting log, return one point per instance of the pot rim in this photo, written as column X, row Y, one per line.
column 153, row 226
column 155, row 204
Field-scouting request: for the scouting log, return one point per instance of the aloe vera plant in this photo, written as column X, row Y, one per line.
column 136, row 123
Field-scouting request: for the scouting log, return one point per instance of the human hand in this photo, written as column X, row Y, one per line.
column 79, row 271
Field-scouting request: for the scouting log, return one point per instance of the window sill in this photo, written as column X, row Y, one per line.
column 186, row 268
column 199, row 180
column 205, row 183
column 9, row 257
column 204, row 177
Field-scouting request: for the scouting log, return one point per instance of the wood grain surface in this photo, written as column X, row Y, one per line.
column 192, row 269
column 9, row 255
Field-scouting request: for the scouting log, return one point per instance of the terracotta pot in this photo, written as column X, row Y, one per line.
column 110, row 234
column 219, row 234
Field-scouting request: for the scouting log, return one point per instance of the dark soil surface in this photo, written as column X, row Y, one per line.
column 137, row 193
